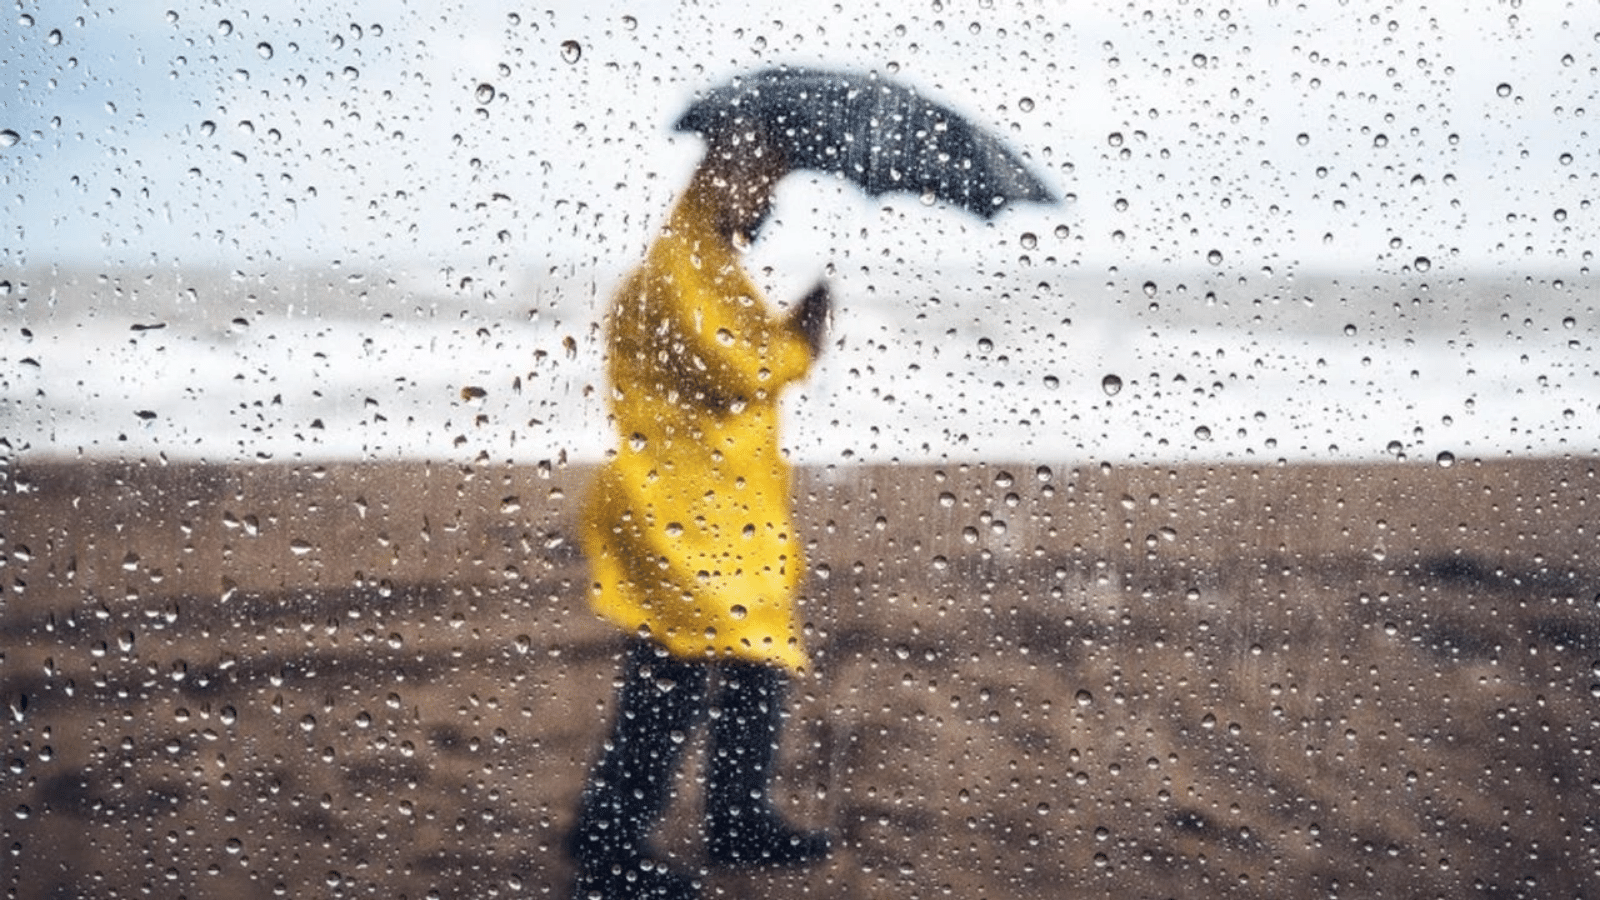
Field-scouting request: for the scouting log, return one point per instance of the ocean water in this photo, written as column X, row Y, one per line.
column 1030, row 363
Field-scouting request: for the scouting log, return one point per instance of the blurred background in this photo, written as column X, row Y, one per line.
column 1350, row 232
column 1226, row 529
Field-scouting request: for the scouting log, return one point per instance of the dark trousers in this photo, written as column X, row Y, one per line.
column 659, row 704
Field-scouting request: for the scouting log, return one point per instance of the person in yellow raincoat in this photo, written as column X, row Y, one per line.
column 690, row 537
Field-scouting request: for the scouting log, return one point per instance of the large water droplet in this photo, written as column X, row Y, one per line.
column 485, row 93
column 1111, row 384
column 571, row 51
column 9, row 138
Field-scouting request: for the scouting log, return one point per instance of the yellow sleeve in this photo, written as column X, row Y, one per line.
column 731, row 339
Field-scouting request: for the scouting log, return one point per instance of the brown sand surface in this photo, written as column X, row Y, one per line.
column 1028, row 681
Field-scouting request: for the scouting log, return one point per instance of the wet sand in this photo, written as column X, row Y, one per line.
column 1028, row 681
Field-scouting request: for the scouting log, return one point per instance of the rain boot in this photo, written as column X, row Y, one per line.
column 631, row 784
column 742, row 827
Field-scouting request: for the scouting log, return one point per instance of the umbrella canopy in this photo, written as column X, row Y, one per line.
column 881, row 134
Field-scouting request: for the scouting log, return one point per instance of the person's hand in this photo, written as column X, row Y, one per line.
column 811, row 318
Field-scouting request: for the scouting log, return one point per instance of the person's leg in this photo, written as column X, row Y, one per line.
column 742, row 827
column 629, row 787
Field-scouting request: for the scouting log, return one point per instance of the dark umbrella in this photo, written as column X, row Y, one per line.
column 880, row 134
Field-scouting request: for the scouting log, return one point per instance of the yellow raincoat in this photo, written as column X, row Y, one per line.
column 688, row 528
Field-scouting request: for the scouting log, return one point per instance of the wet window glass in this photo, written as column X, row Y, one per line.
column 749, row 450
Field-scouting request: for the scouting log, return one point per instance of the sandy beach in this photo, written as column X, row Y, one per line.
column 1029, row 680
